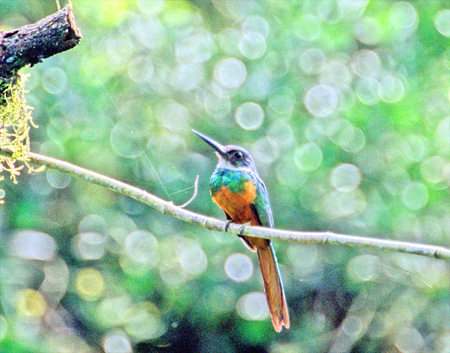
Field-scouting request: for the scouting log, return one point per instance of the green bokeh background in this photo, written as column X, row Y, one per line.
column 345, row 106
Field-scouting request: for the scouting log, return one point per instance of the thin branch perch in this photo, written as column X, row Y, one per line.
column 168, row 208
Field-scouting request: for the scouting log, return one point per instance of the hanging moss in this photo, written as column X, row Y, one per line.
column 15, row 123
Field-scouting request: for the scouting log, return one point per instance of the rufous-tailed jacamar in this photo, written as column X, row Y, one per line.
column 239, row 191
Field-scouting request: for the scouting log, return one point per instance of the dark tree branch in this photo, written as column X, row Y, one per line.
column 32, row 43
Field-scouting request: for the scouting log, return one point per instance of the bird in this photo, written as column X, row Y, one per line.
column 237, row 188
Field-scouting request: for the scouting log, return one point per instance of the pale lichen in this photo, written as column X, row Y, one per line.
column 15, row 124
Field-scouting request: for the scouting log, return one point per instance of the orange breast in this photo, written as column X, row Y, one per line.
column 237, row 205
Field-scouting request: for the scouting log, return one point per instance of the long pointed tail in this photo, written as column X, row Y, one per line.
column 274, row 287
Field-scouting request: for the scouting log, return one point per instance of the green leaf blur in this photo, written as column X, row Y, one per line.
column 345, row 106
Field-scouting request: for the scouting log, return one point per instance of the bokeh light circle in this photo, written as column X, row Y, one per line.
column 31, row 303
column 172, row 115
column 417, row 147
column 238, row 267
column 125, row 141
column 90, row 246
column 54, row 80
column 192, row 258
column 415, row 195
column 249, row 116
column 345, row 177
column 195, row 48
column 143, row 321
column 366, row 63
column 112, row 310
column 253, row 306
column 149, row 32
column 367, row 91
column 90, row 284
column 57, row 179
column 395, row 180
column 403, row 15
column 335, row 74
column 308, row 157
column 409, row 340
column 230, row 73
column 369, row 31
column 433, row 169
column 363, row 268
column 93, row 223
column 256, row 24
column 33, row 245
column 117, row 342
column 353, row 326
column 442, row 22
column 341, row 204
column 264, row 151
column 312, row 61
column 142, row 247
column 282, row 101
column 321, row 101
column 391, row 89
column 252, row 45
column 351, row 139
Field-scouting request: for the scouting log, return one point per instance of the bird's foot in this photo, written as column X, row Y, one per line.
column 228, row 222
column 242, row 228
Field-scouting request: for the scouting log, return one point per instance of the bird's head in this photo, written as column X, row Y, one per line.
column 230, row 156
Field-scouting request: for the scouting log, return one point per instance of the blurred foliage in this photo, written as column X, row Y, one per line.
column 345, row 107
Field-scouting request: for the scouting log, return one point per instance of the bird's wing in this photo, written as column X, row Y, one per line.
column 262, row 204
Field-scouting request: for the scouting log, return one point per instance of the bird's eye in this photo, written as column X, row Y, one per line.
column 238, row 155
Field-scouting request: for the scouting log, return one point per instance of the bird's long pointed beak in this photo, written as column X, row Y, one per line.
column 214, row 144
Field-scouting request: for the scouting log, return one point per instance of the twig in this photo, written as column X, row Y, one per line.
column 165, row 207
column 194, row 195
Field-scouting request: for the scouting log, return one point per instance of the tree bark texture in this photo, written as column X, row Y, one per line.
column 32, row 43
